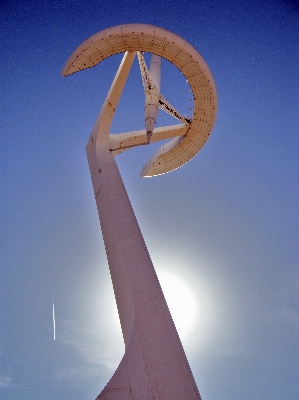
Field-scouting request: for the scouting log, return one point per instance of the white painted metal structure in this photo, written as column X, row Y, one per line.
column 154, row 365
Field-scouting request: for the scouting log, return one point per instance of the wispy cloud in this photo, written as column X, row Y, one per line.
column 5, row 377
column 79, row 371
column 287, row 299
column 5, row 381
column 99, row 345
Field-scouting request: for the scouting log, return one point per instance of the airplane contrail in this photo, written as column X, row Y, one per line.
column 54, row 324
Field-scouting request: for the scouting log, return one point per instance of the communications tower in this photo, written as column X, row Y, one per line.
column 154, row 366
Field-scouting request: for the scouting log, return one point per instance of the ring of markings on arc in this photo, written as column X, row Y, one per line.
column 189, row 138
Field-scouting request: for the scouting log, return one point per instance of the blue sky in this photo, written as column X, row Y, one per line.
column 225, row 224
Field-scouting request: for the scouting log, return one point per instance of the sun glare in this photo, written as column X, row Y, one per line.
column 181, row 301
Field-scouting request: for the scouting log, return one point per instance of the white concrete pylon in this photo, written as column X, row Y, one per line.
column 154, row 366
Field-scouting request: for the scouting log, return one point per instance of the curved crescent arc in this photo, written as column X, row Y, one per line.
column 159, row 41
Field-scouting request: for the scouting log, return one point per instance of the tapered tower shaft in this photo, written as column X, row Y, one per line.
column 154, row 365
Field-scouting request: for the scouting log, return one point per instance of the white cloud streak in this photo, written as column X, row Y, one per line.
column 54, row 324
